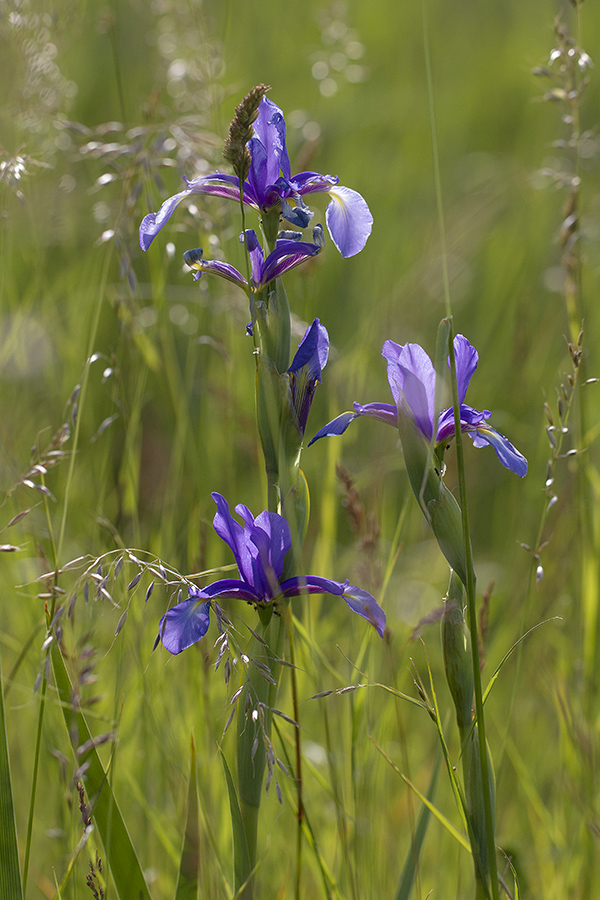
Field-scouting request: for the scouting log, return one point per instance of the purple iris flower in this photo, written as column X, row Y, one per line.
column 259, row 548
column 412, row 378
column 270, row 185
column 305, row 371
column 287, row 255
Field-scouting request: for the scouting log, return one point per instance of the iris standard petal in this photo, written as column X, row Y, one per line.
column 466, row 358
column 349, row 220
column 508, row 455
column 184, row 624
column 233, row 534
column 272, row 537
column 270, row 130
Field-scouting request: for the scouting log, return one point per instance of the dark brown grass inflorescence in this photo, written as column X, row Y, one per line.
column 235, row 150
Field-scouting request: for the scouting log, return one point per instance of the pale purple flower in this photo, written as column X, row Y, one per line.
column 270, row 185
column 259, row 547
column 412, row 378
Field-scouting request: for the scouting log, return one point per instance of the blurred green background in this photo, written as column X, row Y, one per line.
column 104, row 108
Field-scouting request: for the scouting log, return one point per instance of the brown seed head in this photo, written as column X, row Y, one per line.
column 235, row 150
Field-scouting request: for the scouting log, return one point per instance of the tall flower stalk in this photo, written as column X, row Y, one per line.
column 268, row 549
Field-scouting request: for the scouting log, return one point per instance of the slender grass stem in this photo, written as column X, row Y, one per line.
column 471, row 581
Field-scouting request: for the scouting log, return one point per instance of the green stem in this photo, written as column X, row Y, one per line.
column 472, row 617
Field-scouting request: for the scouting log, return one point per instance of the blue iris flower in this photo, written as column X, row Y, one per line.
column 259, row 548
column 412, row 379
column 270, row 185
column 287, row 255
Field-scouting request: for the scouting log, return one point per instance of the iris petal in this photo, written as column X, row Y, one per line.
column 349, row 220
column 184, row 624
column 508, row 455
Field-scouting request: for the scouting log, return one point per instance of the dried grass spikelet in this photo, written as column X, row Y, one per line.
column 235, row 150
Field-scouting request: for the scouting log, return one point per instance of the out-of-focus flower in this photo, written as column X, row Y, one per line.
column 259, row 548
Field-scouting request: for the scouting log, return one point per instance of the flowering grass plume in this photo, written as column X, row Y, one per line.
column 259, row 548
column 270, row 188
column 412, row 380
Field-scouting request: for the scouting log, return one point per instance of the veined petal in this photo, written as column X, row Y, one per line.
column 233, row 589
column 508, row 455
column 363, row 603
column 286, row 255
column 233, row 534
column 219, row 185
column 153, row 222
column 349, row 220
column 184, row 624
column 466, row 358
column 358, row 600
column 313, row 183
column 270, row 130
column 411, row 377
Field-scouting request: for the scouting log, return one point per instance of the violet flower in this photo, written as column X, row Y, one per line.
column 287, row 255
column 259, row 548
column 305, row 371
column 412, row 378
column 270, row 185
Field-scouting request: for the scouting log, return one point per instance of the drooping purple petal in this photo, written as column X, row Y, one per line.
column 466, row 358
column 469, row 418
column 349, row 220
column 153, row 222
column 184, row 624
column 363, row 603
column 508, row 455
column 358, row 600
column 335, row 427
column 218, row 185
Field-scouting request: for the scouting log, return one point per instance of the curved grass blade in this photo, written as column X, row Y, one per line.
column 189, row 867
column 10, row 872
column 120, row 854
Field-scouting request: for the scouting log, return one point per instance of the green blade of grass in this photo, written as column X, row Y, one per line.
column 120, row 853
column 412, row 860
column 241, row 858
column 189, row 867
column 10, row 872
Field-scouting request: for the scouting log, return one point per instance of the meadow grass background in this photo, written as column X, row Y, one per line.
column 165, row 415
